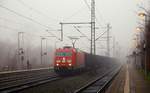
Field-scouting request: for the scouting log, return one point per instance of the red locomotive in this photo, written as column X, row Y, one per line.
column 68, row 59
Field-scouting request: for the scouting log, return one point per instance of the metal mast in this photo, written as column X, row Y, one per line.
column 93, row 45
column 21, row 49
column 108, row 40
column 42, row 52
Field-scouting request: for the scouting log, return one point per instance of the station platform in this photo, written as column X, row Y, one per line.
column 129, row 80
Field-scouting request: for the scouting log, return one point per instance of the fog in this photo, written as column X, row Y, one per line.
column 36, row 17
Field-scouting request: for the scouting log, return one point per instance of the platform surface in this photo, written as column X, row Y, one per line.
column 129, row 80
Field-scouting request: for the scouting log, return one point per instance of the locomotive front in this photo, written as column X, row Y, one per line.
column 64, row 60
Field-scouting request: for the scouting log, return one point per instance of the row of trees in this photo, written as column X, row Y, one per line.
column 141, row 53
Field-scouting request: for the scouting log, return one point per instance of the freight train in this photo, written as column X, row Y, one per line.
column 69, row 60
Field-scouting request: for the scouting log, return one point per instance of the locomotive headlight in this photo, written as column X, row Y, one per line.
column 69, row 61
column 70, row 64
column 57, row 64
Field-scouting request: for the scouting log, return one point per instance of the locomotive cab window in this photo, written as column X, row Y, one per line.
column 63, row 54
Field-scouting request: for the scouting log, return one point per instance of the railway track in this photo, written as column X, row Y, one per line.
column 17, row 83
column 100, row 84
column 17, row 77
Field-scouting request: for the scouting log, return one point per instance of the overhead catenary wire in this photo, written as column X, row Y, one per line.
column 6, row 27
column 85, row 1
column 25, row 17
column 75, row 13
column 9, row 20
column 100, row 35
column 14, row 29
column 35, row 10
column 39, row 12
column 88, row 6
column 100, row 16
column 5, row 19
column 81, row 32
column 85, row 44
column 18, row 30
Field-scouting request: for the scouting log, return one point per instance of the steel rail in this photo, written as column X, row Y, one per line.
column 21, row 81
column 21, row 78
column 99, row 84
column 27, row 83
column 17, row 77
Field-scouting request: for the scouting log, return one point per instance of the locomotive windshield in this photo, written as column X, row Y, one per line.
column 63, row 54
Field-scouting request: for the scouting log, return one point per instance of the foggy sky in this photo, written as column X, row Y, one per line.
column 119, row 13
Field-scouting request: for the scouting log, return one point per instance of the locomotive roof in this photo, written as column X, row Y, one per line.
column 66, row 49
